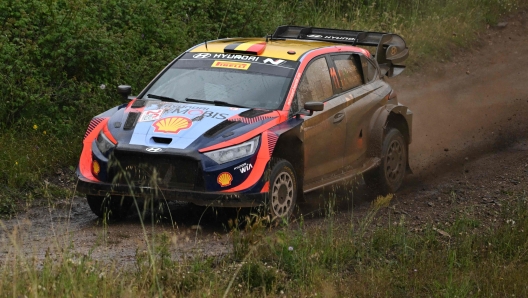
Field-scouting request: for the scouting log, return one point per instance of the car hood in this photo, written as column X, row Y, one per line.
column 178, row 125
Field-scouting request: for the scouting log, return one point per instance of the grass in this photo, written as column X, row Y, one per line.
column 335, row 259
column 32, row 162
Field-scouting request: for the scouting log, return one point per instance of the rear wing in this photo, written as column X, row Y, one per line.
column 391, row 48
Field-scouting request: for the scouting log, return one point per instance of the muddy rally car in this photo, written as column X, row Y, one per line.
column 245, row 122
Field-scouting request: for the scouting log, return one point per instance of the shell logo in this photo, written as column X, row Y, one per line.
column 224, row 179
column 96, row 168
column 172, row 124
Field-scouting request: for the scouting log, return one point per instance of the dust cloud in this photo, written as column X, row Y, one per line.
column 473, row 105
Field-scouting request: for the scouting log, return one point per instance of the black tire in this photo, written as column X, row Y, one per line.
column 282, row 189
column 113, row 207
column 388, row 177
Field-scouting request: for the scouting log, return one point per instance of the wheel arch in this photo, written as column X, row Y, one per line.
column 291, row 148
column 398, row 121
column 389, row 116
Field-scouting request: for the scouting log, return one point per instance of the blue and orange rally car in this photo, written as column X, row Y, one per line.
column 254, row 121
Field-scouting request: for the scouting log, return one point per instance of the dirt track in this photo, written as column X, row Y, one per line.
column 470, row 149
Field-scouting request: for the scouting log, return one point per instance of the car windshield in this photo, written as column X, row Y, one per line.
column 238, row 83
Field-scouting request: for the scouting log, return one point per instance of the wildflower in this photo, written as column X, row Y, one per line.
column 35, row 126
column 16, row 163
column 103, row 86
column 290, row 248
column 44, row 132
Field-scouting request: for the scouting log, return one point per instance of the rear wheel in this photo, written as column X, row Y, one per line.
column 111, row 207
column 282, row 190
column 388, row 177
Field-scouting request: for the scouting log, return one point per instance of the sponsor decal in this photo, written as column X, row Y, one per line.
column 154, row 150
column 202, row 56
column 339, row 38
column 195, row 112
column 236, row 57
column 207, row 114
column 224, row 179
column 167, row 106
column 333, row 74
column 211, row 116
column 245, row 167
column 276, row 62
column 172, row 124
column 232, row 65
column 152, row 115
column 331, row 37
column 190, row 110
column 393, row 51
column 226, row 56
column 96, row 168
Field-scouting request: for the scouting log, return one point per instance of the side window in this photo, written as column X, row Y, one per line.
column 350, row 75
column 315, row 84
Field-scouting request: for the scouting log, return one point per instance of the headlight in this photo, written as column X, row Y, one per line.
column 103, row 143
column 234, row 152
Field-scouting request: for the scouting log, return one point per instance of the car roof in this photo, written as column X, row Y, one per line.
column 287, row 49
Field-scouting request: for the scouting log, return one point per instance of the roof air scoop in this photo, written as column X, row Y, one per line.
column 253, row 48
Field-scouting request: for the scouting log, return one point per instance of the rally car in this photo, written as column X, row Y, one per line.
column 245, row 122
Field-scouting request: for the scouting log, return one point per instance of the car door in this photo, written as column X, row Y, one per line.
column 323, row 133
column 360, row 97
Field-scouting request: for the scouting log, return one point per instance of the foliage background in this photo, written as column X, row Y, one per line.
column 55, row 55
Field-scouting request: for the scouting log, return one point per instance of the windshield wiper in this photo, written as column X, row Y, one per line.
column 164, row 98
column 216, row 102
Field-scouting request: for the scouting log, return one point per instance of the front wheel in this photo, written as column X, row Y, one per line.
column 388, row 177
column 282, row 190
column 111, row 207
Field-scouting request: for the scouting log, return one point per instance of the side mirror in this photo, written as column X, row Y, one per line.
column 314, row 106
column 125, row 91
column 310, row 107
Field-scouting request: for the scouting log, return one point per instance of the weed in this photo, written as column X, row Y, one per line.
column 364, row 260
column 257, row 275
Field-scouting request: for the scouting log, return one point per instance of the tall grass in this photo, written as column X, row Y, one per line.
column 366, row 257
column 33, row 165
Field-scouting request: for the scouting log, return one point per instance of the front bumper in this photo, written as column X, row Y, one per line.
column 202, row 198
